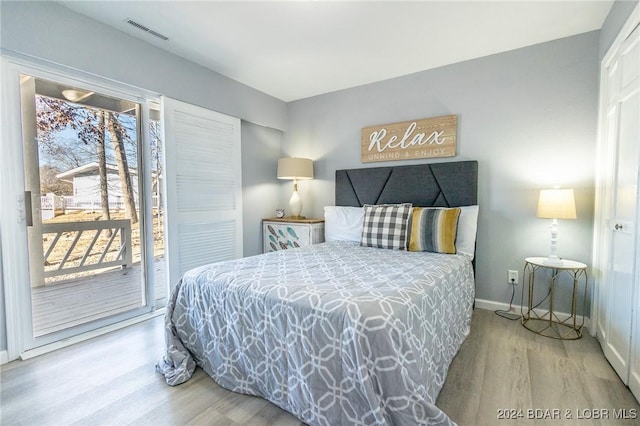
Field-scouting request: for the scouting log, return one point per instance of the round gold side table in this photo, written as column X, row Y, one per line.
column 547, row 323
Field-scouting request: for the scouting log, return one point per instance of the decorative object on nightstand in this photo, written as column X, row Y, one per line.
column 556, row 204
column 279, row 213
column 295, row 168
column 282, row 234
column 547, row 322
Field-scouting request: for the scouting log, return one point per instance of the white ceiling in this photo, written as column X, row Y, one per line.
column 297, row 49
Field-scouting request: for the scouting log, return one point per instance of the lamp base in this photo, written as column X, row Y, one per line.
column 295, row 202
column 296, row 217
column 553, row 261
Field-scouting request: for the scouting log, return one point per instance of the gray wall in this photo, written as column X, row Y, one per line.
column 260, row 189
column 48, row 31
column 618, row 15
column 528, row 116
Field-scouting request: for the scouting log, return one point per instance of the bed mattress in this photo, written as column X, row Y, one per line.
column 334, row 333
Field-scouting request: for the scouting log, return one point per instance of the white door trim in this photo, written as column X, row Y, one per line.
column 12, row 215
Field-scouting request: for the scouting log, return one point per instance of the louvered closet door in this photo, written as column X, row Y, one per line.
column 203, row 187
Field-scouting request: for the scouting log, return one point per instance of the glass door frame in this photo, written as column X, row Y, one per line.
column 13, row 230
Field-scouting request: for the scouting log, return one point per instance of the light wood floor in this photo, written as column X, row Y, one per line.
column 111, row 380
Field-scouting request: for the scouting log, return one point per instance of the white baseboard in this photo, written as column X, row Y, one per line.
column 40, row 350
column 490, row 305
column 4, row 357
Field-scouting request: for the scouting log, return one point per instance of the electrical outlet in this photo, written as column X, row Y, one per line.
column 513, row 276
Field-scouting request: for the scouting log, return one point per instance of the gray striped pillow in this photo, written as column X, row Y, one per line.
column 434, row 230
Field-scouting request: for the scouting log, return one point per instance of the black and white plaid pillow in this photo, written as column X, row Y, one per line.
column 385, row 226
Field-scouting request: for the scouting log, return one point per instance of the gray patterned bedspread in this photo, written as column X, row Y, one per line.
column 334, row 333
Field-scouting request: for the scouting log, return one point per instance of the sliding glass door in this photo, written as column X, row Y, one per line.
column 93, row 207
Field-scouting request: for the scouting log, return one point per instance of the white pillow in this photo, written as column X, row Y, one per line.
column 467, row 228
column 343, row 223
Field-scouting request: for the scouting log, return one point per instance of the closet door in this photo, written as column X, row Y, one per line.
column 624, row 212
column 203, row 187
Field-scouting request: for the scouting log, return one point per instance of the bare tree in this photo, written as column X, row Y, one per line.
column 90, row 124
column 102, row 168
column 49, row 183
column 118, row 136
column 66, row 153
column 156, row 156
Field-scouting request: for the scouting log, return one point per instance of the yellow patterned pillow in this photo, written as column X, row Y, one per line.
column 434, row 230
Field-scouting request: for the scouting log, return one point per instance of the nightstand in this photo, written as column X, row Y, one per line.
column 286, row 233
column 548, row 323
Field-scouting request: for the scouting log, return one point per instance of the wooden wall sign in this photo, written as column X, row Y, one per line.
column 428, row 138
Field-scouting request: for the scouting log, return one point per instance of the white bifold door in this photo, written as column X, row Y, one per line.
column 616, row 245
column 203, row 187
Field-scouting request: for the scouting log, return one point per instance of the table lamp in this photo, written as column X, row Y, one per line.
column 556, row 204
column 295, row 168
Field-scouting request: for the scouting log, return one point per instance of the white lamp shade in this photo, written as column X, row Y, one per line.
column 556, row 204
column 295, row 168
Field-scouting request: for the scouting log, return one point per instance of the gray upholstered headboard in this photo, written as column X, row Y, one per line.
column 452, row 184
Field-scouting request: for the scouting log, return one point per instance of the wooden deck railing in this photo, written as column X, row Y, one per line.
column 80, row 253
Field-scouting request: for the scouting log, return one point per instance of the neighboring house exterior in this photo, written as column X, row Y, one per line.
column 86, row 186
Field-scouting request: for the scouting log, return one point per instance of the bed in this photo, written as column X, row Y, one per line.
column 336, row 333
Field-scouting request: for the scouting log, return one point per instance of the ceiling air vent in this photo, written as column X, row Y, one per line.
column 145, row 29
